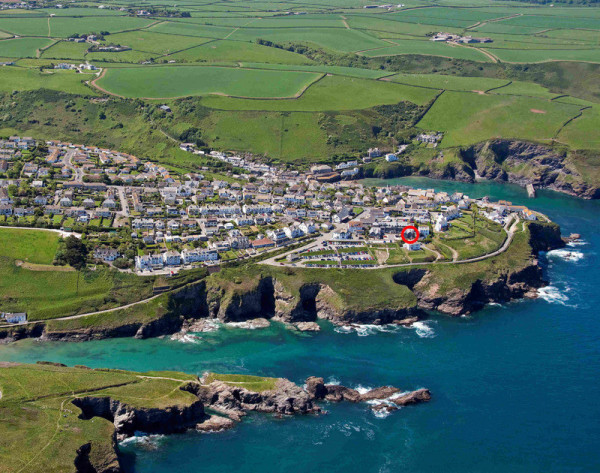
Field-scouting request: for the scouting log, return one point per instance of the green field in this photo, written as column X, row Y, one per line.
column 197, row 80
column 333, row 93
column 41, row 425
column 27, row 245
column 347, row 78
column 474, row 118
column 49, row 293
column 17, row 78
column 22, row 47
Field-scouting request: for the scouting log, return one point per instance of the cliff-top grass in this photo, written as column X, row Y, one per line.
column 251, row 383
column 39, row 425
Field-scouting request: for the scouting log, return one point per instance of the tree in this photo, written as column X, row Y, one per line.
column 75, row 253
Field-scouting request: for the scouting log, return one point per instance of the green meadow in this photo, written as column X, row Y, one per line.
column 17, row 78
column 469, row 118
column 46, row 292
column 170, row 81
column 303, row 82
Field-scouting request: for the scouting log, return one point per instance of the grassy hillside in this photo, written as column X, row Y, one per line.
column 40, row 425
column 45, row 291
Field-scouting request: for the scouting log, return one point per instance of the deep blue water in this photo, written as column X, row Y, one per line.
column 515, row 388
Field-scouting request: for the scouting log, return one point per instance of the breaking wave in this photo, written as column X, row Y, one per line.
column 364, row 330
column 553, row 295
column 423, row 330
column 566, row 255
column 186, row 338
column 143, row 441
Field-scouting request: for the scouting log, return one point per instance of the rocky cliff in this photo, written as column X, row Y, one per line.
column 524, row 163
column 128, row 419
column 231, row 401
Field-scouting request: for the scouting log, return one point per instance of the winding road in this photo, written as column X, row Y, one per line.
column 271, row 261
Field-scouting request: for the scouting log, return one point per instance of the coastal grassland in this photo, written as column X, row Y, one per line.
column 280, row 135
column 332, row 93
column 40, row 425
column 529, row 89
column 65, row 27
column 178, row 28
column 337, row 39
column 351, row 289
column 334, row 70
column 152, row 42
column 234, row 51
column 446, row 82
column 20, row 78
column 582, row 132
column 170, row 81
column 474, row 118
column 446, row 277
column 488, row 237
column 541, row 55
column 252, row 383
column 71, row 117
column 429, row 48
column 48, row 294
column 65, row 50
column 25, row 26
column 22, row 47
column 33, row 246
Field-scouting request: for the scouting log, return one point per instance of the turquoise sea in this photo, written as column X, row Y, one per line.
column 515, row 388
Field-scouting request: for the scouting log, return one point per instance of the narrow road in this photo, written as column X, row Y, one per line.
column 76, row 170
column 271, row 261
column 510, row 233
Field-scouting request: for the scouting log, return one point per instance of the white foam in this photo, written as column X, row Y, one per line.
column 140, row 440
column 250, row 325
column 186, row 338
column 423, row 330
column 566, row 255
column 381, row 414
column 553, row 295
column 211, row 325
column 364, row 330
column 577, row 243
column 362, row 389
column 333, row 380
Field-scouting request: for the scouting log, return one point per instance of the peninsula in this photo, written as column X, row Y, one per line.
column 75, row 417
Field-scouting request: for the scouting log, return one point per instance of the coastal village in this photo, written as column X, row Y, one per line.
column 139, row 216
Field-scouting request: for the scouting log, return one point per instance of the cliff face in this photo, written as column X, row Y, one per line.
column 127, row 419
column 514, row 285
column 524, row 163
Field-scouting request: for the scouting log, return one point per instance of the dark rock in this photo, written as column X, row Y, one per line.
column 415, row 397
column 336, row 393
column 316, row 387
column 215, row 424
column 379, row 393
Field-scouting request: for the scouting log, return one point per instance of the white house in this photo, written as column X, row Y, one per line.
column 441, row 224
column 412, row 246
column 171, row 258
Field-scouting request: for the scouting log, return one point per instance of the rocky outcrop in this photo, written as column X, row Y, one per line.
column 506, row 287
column 234, row 401
column 522, row 163
column 128, row 419
column 228, row 399
column 239, row 305
column 393, row 404
column 89, row 461
column 388, row 395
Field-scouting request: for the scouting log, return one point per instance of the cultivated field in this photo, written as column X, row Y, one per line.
column 345, row 77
